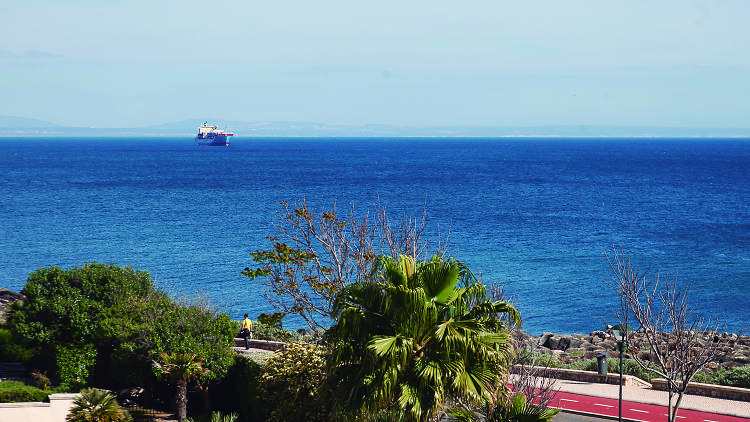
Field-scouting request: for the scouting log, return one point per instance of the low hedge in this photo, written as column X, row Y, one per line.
column 16, row 391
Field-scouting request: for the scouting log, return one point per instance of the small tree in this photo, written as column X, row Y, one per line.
column 180, row 368
column 316, row 254
column 682, row 341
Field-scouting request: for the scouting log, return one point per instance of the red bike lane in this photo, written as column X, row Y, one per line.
column 634, row 411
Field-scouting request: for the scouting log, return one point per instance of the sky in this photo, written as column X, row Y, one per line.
column 101, row 63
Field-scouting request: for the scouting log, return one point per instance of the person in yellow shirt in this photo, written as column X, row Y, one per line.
column 246, row 330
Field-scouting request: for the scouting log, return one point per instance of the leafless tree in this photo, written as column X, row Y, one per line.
column 315, row 254
column 682, row 340
column 530, row 375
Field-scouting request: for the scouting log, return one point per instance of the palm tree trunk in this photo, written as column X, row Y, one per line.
column 181, row 400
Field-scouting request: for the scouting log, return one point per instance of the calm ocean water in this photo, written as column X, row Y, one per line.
column 534, row 214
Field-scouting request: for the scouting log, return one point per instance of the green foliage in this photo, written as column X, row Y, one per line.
column 215, row 417
column 102, row 324
column 518, row 410
column 97, row 405
column 238, row 391
column 73, row 363
column 418, row 335
column 11, row 350
column 16, row 391
column 61, row 322
column 262, row 331
column 275, row 319
column 735, row 377
column 181, row 368
column 515, row 408
column 291, row 384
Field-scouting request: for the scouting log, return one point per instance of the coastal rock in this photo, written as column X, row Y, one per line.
column 7, row 298
column 544, row 340
column 574, row 347
column 599, row 334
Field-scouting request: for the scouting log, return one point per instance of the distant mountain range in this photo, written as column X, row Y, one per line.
column 20, row 126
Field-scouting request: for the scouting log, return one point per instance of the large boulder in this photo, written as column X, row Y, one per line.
column 7, row 298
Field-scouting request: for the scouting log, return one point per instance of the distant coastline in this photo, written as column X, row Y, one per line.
column 25, row 127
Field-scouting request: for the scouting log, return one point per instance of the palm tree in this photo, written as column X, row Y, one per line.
column 181, row 368
column 418, row 335
column 97, row 406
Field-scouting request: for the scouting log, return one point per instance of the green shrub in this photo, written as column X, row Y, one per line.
column 10, row 351
column 736, row 377
column 291, row 384
column 584, row 365
column 238, row 390
column 543, row 359
column 16, row 391
column 704, row 377
column 263, row 331
column 214, row 417
column 629, row 367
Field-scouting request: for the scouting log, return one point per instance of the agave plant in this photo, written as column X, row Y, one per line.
column 97, row 406
column 416, row 337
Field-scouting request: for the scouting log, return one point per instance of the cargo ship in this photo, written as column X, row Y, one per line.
column 212, row 136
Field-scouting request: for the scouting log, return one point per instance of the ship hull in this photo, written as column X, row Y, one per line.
column 216, row 141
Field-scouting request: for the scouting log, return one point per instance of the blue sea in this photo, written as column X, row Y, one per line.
column 535, row 215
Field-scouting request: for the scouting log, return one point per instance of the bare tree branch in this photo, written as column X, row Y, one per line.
column 681, row 340
column 316, row 254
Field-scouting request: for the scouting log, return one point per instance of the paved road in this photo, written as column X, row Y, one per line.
column 633, row 411
column 573, row 417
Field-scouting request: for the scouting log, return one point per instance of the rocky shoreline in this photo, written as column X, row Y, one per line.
column 568, row 348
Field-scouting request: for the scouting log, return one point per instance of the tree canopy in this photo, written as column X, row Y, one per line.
column 103, row 324
column 314, row 254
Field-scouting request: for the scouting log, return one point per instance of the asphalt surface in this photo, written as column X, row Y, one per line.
column 634, row 411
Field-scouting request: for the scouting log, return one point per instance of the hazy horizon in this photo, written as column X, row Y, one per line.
column 542, row 63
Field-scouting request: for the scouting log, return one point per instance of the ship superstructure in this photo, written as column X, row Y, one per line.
column 212, row 136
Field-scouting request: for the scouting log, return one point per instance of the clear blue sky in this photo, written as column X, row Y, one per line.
column 419, row 63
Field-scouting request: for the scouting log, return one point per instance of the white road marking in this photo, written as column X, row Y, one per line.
column 637, row 410
column 681, row 417
column 574, row 401
column 708, row 420
column 605, row 405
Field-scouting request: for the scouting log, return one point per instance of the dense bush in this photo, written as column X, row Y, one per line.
column 238, row 391
column 16, row 391
column 10, row 350
column 291, row 384
column 104, row 325
column 64, row 312
column 263, row 331
column 736, row 377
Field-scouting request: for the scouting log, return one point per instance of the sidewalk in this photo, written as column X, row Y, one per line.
column 646, row 395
